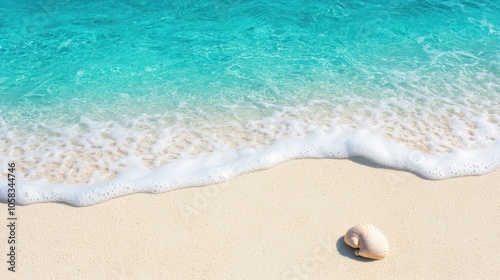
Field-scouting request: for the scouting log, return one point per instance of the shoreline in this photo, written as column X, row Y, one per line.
column 226, row 164
column 285, row 222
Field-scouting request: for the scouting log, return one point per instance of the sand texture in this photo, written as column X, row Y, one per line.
column 283, row 223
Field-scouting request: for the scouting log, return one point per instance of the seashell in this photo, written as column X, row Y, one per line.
column 371, row 242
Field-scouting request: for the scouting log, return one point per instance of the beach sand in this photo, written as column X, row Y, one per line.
column 286, row 222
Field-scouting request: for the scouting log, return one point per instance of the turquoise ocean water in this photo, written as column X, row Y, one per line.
column 105, row 98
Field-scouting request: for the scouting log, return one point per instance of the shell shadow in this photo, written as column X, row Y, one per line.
column 348, row 252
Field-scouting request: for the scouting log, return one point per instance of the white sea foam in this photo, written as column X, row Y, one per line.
column 223, row 164
column 89, row 161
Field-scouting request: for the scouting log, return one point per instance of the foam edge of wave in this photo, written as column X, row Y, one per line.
column 223, row 165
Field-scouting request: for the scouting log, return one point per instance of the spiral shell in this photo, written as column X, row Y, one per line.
column 370, row 240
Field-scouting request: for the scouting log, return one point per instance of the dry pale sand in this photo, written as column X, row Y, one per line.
column 283, row 223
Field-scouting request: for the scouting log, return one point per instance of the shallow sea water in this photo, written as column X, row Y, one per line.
column 105, row 98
